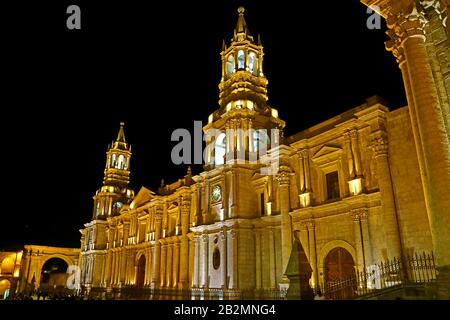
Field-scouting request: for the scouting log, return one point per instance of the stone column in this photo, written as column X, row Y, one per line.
column 389, row 215
column 148, row 266
column 169, row 261
column 157, row 252
column 359, row 246
column 348, row 149
column 176, row 262
column 113, row 267
column 250, row 136
column 228, row 137
column 118, row 264
column 225, row 196
column 364, row 218
column 163, row 263
column 209, row 150
column 355, row 152
column 312, row 252
column 205, row 260
column 398, row 52
column 232, row 195
column 223, row 259
column 108, row 268
column 191, row 262
column 307, row 170
column 206, row 212
column 234, row 260
column 246, row 136
column 258, row 259
column 301, row 173
column 408, row 30
column 283, row 178
column 272, row 265
column 196, row 282
column 123, row 265
column 184, row 249
column 240, row 137
column 233, row 138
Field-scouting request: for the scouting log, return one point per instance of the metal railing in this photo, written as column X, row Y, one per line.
column 133, row 293
column 415, row 269
column 418, row 268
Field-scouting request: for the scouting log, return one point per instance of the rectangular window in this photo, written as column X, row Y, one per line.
column 332, row 185
column 262, row 203
column 141, row 234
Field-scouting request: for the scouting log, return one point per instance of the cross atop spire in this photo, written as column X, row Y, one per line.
column 241, row 32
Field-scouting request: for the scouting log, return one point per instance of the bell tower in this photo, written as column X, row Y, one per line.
column 242, row 67
column 241, row 136
column 114, row 193
column 242, row 128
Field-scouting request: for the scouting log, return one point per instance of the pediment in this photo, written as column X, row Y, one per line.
column 144, row 196
column 327, row 150
column 173, row 206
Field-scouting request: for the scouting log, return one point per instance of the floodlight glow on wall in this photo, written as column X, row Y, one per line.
column 355, row 186
column 305, row 199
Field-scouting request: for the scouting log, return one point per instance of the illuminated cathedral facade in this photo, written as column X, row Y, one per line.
column 349, row 190
column 365, row 186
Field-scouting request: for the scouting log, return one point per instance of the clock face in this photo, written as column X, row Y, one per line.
column 216, row 193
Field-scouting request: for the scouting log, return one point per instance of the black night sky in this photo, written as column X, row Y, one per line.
column 156, row 66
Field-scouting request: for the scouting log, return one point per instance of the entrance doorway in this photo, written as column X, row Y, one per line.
column 53, row 275
column 340, row 282
column 140, row 277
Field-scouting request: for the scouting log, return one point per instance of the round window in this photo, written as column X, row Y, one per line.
column 216, row 259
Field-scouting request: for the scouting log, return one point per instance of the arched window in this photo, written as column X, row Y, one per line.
column 252, row 63
column 97, row 209
column 113, row 160
column 219, row 149
column 261, row 141
column 120, row 163
column 230, row 65
column 117, row 206
column 241, row 59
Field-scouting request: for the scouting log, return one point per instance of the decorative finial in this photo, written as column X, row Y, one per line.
column 122, row 124
column 189, row 171
column 162, row 183
column 241, row 10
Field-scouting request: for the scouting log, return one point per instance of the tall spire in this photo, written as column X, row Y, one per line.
column 114, row 193
column 242, row 32
column 121, row 143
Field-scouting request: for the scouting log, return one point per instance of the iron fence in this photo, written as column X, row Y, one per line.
column 418, row 268
column 133, row 293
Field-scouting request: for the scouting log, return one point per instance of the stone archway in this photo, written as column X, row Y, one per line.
column 34, row 258
column 53, row 275
column 5, row 285
column 140, row 273
column 339, row 274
